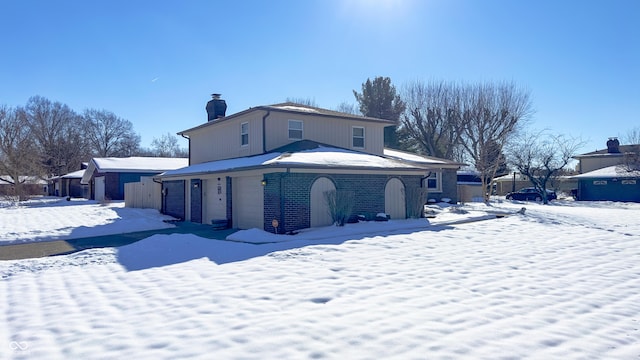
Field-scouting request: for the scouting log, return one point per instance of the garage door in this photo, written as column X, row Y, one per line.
column 248, row 202
column 394, row 203
column 99, row 188
column 173, row 198
column 320, row 215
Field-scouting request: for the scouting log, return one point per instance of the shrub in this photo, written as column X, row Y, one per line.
column 340, row 205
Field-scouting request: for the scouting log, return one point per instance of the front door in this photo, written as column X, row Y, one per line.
column 196, row 200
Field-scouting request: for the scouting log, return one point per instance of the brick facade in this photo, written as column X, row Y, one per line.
column 291, row 192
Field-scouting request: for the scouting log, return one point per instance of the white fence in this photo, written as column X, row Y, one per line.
column 145, row 194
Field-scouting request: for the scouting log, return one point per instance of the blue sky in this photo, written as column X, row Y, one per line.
column 156, row 63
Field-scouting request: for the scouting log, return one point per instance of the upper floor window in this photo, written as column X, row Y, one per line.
column 434, row 181
column 357, row 135
column 295, row 130
column 244, row 134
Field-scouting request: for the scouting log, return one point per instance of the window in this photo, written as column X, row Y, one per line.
column 244, row 134
column 357, row 134
column 295, row 130
column 434, row 181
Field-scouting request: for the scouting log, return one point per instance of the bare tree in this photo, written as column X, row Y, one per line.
column 492, row 113
column 347, row 108
column 302, row 101
column 58, row 133
column 542, row 156
column 632, row 154
column 432, row 123
column 109, row 135
column 632, row 136
column 167, row 146
column 18, row 157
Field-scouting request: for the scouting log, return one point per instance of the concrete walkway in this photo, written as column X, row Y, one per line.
column 61, row 247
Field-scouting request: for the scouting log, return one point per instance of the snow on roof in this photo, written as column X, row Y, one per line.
column 296, row 108
column 616, row 171
column 328, row 156
column 137, row 164
column 318, row 157
column 223, row 165
column 420, row 159
column 73, row 175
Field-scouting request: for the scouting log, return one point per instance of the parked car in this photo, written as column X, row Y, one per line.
column 528, row 194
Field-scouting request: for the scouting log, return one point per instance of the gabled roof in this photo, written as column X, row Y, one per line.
column 307, row 154
column 421, row 159
column 624, row 149
column 615, row 171
column 293, row 108
column 133, row 164
column 72, row 175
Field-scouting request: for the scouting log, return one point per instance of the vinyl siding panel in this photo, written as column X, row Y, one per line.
column 326, row 130
column 223, row 141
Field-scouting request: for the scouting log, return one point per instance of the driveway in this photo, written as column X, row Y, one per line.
column 61, row 247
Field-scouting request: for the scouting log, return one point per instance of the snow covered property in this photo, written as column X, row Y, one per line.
column 271, row 165
column 560, row 281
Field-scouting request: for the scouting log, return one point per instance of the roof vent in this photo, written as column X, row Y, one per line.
column 613, row 146
column 216, row 108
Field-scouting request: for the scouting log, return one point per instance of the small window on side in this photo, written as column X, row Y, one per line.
column 357, row 135
column 295, row 130
column 244, row 134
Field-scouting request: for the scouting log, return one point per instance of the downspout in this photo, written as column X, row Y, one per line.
column 264, row 132
column 283, row 220
column 186, row 137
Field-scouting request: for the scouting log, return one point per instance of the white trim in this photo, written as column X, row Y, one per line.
column 438, row 178
column 289, row 129
column 353, row 137
column 243, row 133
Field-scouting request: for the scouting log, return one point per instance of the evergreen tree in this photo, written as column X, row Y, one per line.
column 379, row 99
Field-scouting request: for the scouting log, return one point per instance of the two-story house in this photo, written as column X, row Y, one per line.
column 609, row 174
column 268, row 167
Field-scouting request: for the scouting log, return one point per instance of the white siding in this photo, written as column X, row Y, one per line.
column 99, row 188
column 326, row 130
column 215, row 199
column 320, row 215
column 248, row 202
column 223, row 140
column 394, row 200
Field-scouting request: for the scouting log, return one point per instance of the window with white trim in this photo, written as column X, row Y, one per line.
column 295, row 130
column 244, row 134
column 357, row 136
column 433, row 182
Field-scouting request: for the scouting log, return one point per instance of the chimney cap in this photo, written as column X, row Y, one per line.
column 216, row 96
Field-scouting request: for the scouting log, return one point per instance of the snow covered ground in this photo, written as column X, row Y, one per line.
column 560, row 281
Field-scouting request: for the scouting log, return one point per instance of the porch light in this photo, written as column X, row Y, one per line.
column 263, row 182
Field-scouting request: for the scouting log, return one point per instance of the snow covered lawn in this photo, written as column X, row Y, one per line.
column 54, row 218
column 561, row 281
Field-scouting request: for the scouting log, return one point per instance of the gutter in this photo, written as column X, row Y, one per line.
column 264, row 132
column 186, row 137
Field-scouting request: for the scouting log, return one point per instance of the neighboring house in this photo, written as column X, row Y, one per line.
column 612, row 183
column 614, row 154
column 106, row 176
column 605, row 176
column 31, row 185
column 469, row 186
column 69, row 185
column 516, row 181
column 269, row 167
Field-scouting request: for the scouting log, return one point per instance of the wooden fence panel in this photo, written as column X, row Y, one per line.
column 145, row 194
